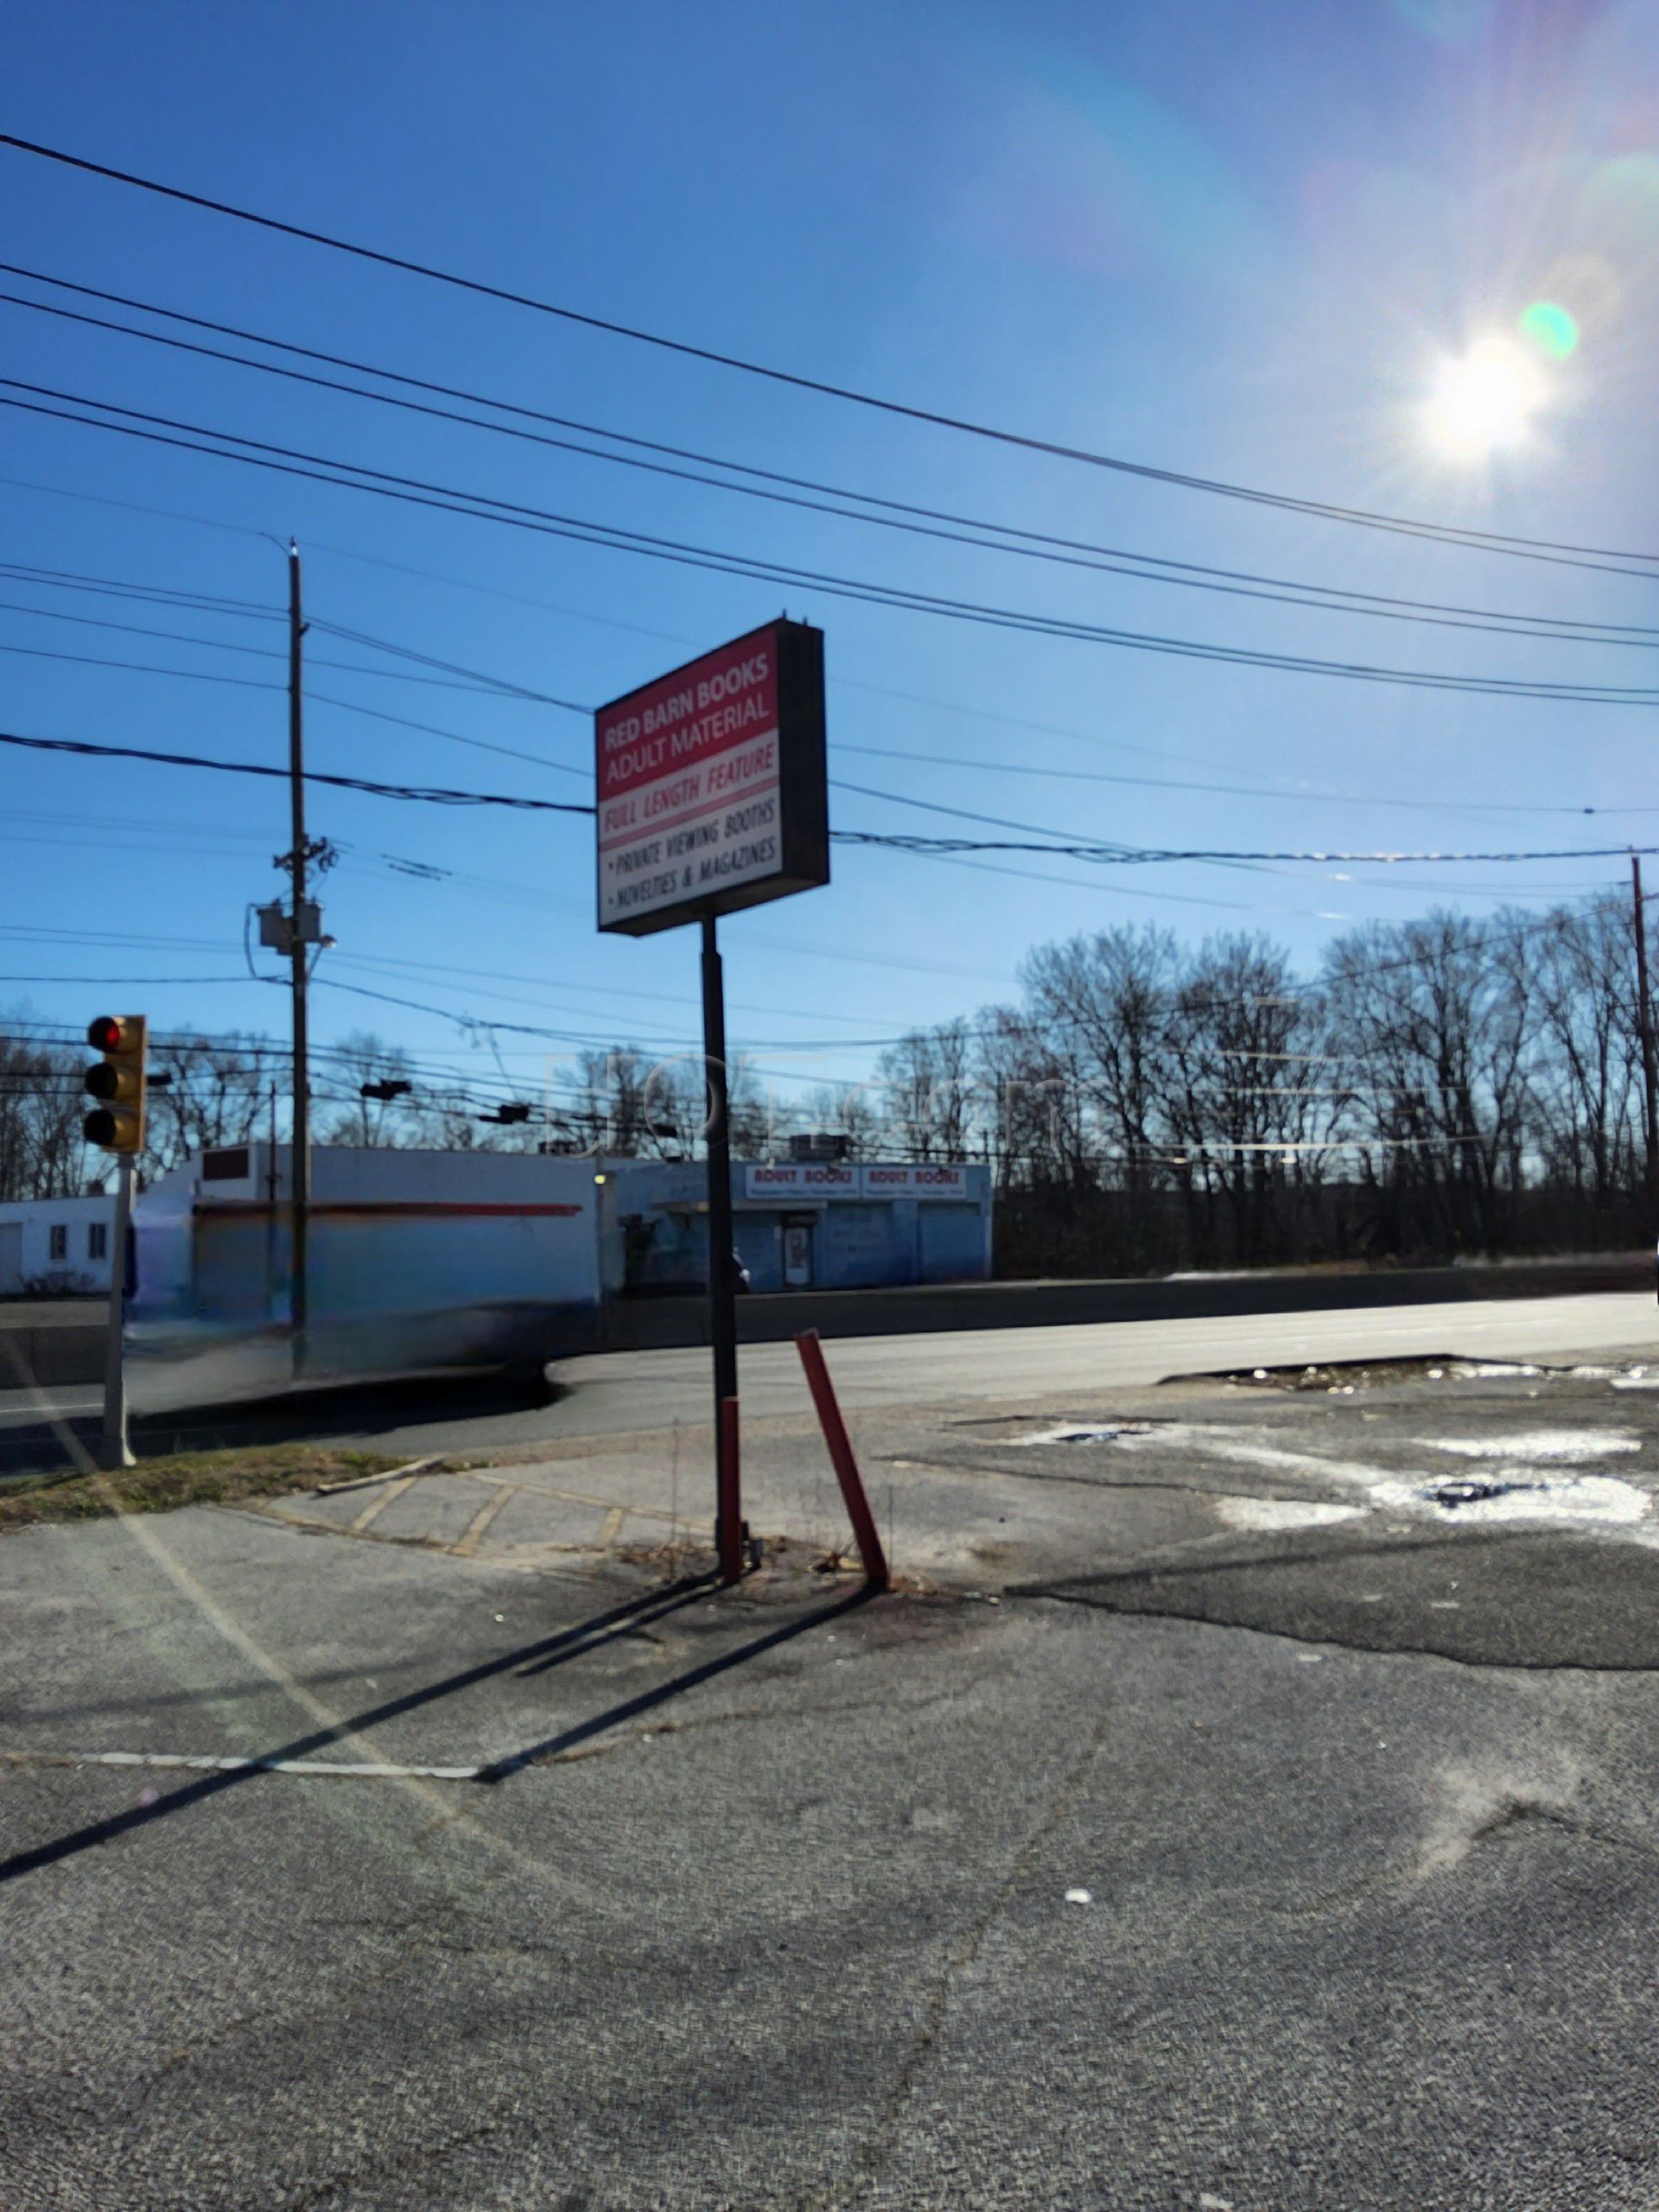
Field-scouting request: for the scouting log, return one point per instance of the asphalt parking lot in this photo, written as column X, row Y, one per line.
column 1252, row 1811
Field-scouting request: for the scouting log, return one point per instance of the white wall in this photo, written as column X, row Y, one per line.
column 27, row 1255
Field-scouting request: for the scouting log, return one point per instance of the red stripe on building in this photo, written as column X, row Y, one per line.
column 377, row 1209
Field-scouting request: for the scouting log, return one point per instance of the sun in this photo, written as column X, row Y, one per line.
column 1484, row 401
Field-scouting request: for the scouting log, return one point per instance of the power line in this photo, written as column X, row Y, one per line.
column 481, row 506
column 897, row 841
column 1299, row 796
column 874, row 508
column 455, row 736
column 433, row 794
column 322, row 698
column 123, row 588
column 484, row 680
column 1369, row 518
column 517, row 752
column 492, row 686
column 1101, row 851
column 1120, row 854
column 1261, row 788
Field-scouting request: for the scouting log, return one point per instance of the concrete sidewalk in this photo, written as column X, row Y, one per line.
column 650, row 1498
column 979, row 1495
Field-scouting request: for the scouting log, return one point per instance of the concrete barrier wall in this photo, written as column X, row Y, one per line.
column 645, row 1322
column 54, row 1354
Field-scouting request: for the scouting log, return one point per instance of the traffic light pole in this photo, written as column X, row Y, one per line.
column 299, row 1144
column 113, row 1450
column 1644, row 1025
column 722, row 1278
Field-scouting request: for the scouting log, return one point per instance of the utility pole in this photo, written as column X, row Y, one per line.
column 1645, row 1019
column 300, row 1146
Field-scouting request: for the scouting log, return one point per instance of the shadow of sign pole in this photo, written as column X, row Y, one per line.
column 569, row 1643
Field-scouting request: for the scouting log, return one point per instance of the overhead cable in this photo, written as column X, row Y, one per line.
column 811, row 493
column 487, row 507
column 1446, row 533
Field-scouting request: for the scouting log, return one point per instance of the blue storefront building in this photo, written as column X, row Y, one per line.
column 802, row 1225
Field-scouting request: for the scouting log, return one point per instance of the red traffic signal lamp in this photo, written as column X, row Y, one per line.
column 116, row 1081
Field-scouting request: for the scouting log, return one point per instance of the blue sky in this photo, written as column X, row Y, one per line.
column 1234, row 240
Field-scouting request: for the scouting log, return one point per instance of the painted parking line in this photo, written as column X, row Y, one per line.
column 378, row 1504
column 197, row 1762
column 468, row 1543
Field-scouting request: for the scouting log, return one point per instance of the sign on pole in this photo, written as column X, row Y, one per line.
column 711, row 793
column 711, row 797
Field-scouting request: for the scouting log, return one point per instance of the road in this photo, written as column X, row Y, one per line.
column 616, row 1392
column 651, row 1389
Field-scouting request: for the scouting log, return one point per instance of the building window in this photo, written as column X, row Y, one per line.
column 97, row 1240
column 57, row 1244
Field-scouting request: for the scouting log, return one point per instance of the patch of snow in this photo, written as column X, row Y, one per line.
column 1596, row 1499
column 1228, row 1444
column 1525, row 1492
column 1271, row 1513
column 1559, row 1445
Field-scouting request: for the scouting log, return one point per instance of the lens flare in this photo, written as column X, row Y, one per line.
column 1484, row 401
column 1551, row 329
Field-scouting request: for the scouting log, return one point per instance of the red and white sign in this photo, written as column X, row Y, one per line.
column 692, row 781
column 920, row 1180
column 801, row 1179
column 809, row 1180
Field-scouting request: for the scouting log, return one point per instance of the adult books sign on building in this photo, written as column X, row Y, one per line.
column 711, row 784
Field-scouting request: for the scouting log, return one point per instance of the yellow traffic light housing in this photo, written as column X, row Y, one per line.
column 117, row 1124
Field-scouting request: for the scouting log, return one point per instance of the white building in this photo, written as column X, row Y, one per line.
column 417, row 1260
column 53, row 1246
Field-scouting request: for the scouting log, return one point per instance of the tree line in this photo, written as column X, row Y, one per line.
column 1438, row 1086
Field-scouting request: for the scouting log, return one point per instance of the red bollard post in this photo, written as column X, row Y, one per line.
column 731, row 1503
column 841, row 1453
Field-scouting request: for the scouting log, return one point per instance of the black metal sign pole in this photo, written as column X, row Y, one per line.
column 722, row 1281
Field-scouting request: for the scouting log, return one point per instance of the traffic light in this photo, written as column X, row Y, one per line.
column 117, row 1124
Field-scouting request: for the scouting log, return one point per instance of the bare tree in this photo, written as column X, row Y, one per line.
column 851, row 1111
column 1104, row 1004
column 361, row 1059
column 928, row 1081
column 220, row 1093
column 41, row 1155
column 1437, row 1025
column 1583, row 1070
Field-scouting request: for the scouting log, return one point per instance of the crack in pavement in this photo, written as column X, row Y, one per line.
column 401, row 2168
column 877, row 2151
